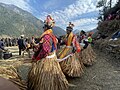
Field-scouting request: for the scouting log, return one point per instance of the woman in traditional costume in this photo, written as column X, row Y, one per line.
column 46, row 73
column 87, row 54
column 68, row 56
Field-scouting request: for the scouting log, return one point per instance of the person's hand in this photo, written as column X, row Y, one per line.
column 73, row 51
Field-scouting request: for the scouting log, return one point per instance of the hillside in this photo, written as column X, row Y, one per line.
column 108, row 28
column 58, row 31
column 15, row 21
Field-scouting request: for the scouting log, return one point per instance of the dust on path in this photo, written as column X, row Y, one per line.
column 103, row 75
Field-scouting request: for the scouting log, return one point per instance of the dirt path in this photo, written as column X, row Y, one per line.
column 104, row 75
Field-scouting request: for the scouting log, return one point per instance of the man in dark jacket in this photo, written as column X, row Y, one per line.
column 1, row 48
column 21, row 44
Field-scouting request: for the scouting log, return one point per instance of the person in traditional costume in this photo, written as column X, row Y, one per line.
column 87, row 54
column 68, row 55
column 46, row 73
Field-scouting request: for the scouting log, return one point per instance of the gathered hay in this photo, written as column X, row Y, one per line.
column 88, row 56
column 72, row 67
column 8, row 72
column 46, row 74
column 11, row 74
column 9, row 69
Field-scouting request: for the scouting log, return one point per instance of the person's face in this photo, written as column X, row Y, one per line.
column 81, row 33
column 45, row 28
column 68, row 31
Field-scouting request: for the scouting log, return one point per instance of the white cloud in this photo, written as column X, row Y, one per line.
column 73, row 12
column 82, row 22
column 20, row 3
column 50, row 3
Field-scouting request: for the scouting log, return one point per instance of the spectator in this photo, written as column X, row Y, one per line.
column 82, row 36
column 27, row 47
column 109, row 17
column 21, row 44
column 1, row 48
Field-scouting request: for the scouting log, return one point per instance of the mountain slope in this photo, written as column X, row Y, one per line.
column 58, row 31
column 15, row 21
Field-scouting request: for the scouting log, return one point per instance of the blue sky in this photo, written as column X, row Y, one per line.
column 83, row 13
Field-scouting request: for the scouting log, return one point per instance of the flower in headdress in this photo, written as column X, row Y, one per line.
column 71, row 25
column 49, row 21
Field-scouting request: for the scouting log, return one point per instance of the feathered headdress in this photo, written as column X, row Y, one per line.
column 49, row 21
column 70, row 26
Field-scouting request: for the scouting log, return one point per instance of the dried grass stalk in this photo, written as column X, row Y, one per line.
column 11, row 74
column 88, row 56
column 72, row 67
column 46, row 74
column 8, row 72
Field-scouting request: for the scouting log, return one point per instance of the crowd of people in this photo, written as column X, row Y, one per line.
column 23, row 43
column 9, row 41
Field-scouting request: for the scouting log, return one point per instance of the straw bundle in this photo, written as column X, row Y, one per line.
column 72, row 67
column 79, row 57
column 46, row 74
column 88, row 56
column 11, row 74
column 8, row 72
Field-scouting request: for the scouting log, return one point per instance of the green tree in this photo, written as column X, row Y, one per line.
column 102, row 13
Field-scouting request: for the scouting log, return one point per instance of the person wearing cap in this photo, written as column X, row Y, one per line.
column 70, row 64
column 46, row 73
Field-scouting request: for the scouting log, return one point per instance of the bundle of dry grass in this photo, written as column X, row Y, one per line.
column 46, row 74
column 88, row 56
column 11, row 74
column 72, row 67
column 8, row 72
